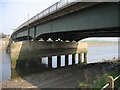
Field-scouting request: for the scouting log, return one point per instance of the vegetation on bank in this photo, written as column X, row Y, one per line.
column 4, row 42
column 2, row 35
column 101, row 81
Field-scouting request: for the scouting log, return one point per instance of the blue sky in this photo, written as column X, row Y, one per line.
column 14, row 12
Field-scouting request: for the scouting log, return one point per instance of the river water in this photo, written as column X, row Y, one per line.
column 95, row 54
column 5, row 65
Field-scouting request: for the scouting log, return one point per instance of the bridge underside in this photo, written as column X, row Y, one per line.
column 99, row 20
column 76, row 35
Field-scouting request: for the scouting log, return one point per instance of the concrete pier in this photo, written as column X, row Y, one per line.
column 73, row 59
column 50, row 62
column 33, row 52
column 66, row 60
column 80, row 58
column 58, row 61
column 85, row 57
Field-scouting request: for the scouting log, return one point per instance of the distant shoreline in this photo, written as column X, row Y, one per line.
column 3, row 43
column 100, row 43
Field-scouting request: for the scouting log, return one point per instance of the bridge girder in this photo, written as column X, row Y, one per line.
column 100, row 20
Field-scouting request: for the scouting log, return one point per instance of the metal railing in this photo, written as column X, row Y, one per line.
column 110, row 83
column 55, row 7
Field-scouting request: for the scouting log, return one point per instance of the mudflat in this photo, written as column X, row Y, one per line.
column 65, row 77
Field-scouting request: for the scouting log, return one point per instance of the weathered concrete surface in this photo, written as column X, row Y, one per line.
column 26, row 55
column 35, row 49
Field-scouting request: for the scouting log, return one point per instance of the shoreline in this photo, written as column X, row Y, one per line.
column 53, row 77
column 68, row 77
column 101, row 43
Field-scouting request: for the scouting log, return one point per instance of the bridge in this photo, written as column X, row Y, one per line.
column 71, row 21
column 62, row 22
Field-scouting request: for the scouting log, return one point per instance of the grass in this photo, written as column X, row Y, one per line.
column 100, row 82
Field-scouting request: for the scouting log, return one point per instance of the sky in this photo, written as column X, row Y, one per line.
column 15, row 12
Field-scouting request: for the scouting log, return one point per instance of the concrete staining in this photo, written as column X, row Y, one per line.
column 27, row 55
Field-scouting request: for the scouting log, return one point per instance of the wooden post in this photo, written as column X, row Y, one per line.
column 58, row 61
column 73, row 59
column 111, row 83
column 49, row 62
column 66, row 60
column 85, row 58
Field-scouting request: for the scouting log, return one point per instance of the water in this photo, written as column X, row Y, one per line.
column 5, row 65
column 95, row 54
column 100, row 53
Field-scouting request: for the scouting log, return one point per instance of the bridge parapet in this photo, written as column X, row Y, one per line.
column 55, row 7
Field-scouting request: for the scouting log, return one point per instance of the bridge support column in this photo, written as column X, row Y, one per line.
column 73, row 59
column 49, row 62
column 85, row 57
column 28, row 34
column 34, row 33
column 66, row 60
column 58, row 61
column 80, row 58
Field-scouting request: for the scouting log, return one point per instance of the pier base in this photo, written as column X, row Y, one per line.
column 80, row 58
column 73, row 59
column 49, row 62
column 58, row 61
column 66, row 60
column 85, row 58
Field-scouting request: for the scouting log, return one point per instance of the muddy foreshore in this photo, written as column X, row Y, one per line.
column 66, row 77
